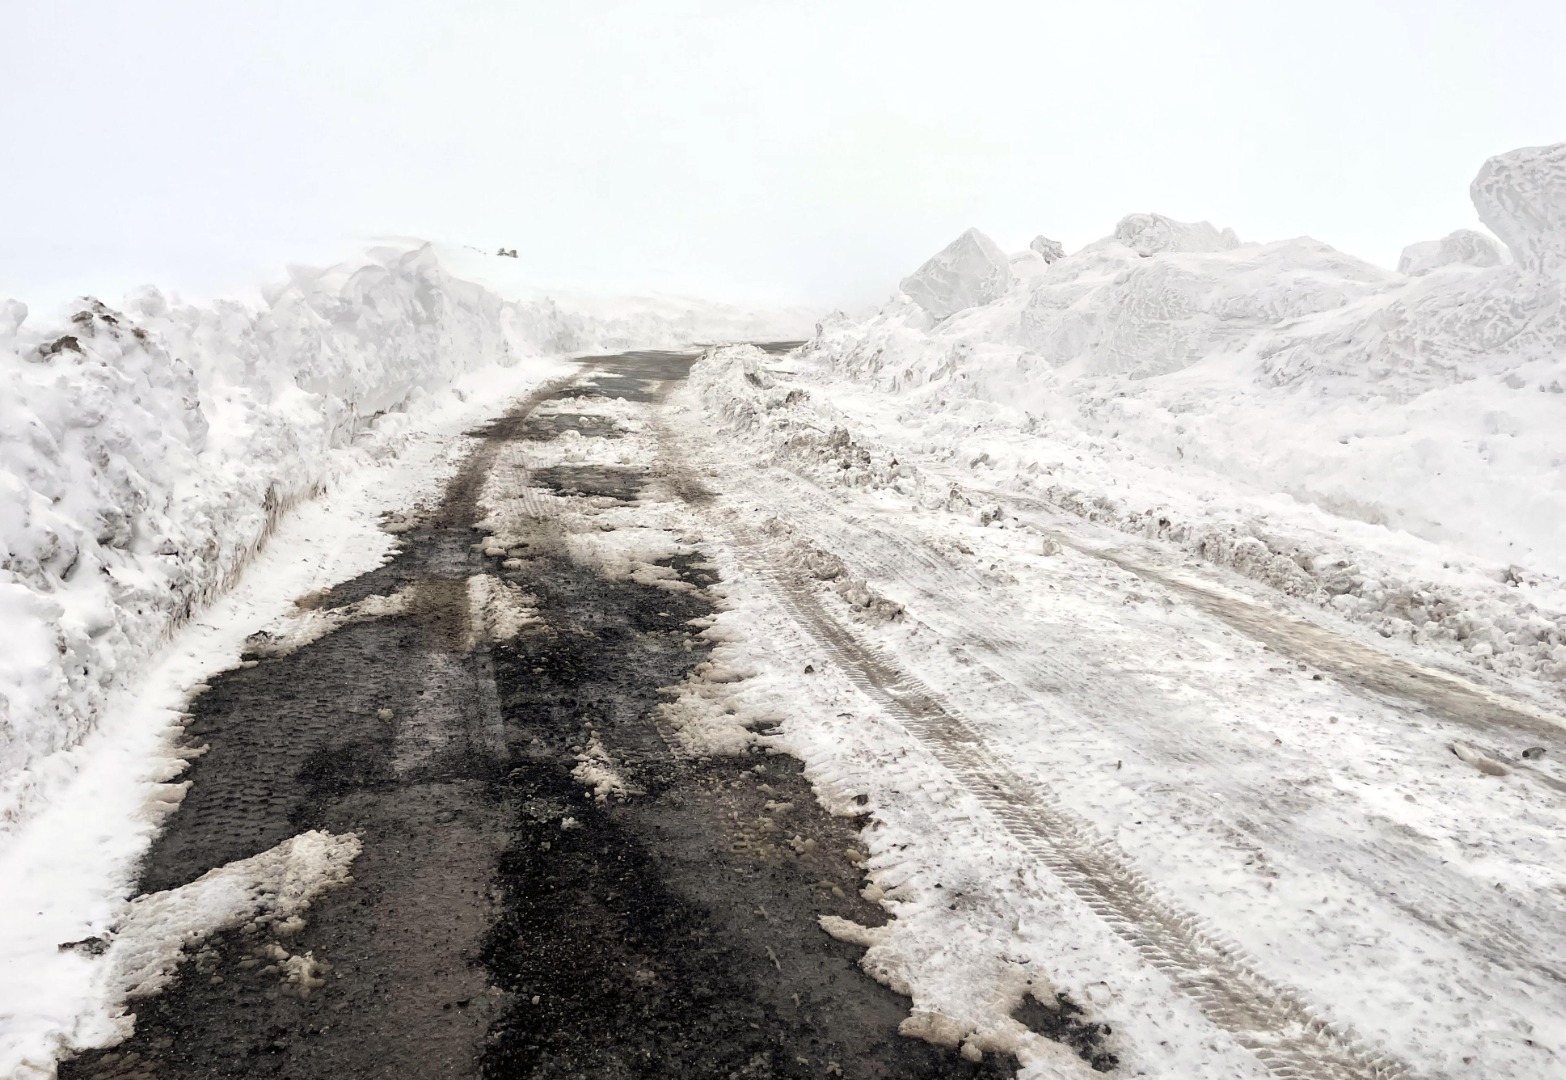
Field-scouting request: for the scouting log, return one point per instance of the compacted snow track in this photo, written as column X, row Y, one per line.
column 1269, row 1020
column 1342, row 856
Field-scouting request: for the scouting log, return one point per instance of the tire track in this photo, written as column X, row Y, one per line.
column 1371, row 670
column 1401, row 875
column 1271, row 1021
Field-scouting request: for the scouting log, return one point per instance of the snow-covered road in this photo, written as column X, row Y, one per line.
column 1247, row 837
column 1107, row 806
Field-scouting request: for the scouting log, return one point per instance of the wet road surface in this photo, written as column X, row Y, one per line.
column 502, row 921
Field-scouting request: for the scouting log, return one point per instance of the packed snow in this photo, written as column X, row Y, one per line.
column 1181, row 727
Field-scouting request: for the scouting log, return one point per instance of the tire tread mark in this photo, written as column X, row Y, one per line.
column 1271, row 1021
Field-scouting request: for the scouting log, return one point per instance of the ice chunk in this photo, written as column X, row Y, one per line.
column 1154, row 234
column 1521, row 197
column 966, row 273
column 1464, row 247
column 13, row 313
column 1049, row 249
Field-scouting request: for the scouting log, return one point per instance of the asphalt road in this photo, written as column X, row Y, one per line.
column 501, row 921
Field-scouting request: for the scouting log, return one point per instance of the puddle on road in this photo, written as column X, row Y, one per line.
column 618, row 482
column 551, row 425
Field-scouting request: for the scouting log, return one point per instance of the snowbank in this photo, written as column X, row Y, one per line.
column 1194, row 372
column 147, row 451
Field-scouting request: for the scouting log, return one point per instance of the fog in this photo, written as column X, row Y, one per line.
column 797, row 152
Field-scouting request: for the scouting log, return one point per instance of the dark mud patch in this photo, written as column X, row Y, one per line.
column 1063, row 1021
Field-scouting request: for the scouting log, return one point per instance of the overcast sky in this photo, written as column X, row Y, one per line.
column 789, row 150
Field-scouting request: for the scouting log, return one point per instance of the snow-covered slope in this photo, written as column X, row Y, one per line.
column 1170, row 366
column 146, row 451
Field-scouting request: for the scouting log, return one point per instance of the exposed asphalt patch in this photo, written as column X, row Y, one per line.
column 503, row 920
column 683, row 920
column 778, row 348
column 1062, row 1021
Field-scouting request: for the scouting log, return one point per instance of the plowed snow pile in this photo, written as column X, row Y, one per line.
column 1394, row 442
column 147, row 450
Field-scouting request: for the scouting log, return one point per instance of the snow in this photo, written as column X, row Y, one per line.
column 1094, row 538
column 1465, row 247
column 150, row 450
column 1397, row 867
column 274, row 887
column 1154, row 234
column 1391, row 445
column 968, row 272
column 1521, row 197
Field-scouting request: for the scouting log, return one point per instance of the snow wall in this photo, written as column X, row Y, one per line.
column 147, row 451
column 1430, row 403
column 1433, row 402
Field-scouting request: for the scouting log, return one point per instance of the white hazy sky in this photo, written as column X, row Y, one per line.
column 790, row 150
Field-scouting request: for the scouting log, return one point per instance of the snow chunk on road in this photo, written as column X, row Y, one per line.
column 966, row 273
column 1521, row 197
column 497, row 610
column 1154, row 234
column 273, row 886
column 1465, row 247
column 595, row 769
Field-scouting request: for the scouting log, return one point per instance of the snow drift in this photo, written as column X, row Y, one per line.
column 146, row 451
column 1177, row 364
